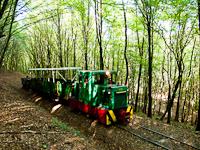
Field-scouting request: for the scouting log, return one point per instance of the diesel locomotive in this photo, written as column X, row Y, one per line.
column 95, row 92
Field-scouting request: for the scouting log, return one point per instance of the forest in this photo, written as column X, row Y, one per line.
column 152, row 44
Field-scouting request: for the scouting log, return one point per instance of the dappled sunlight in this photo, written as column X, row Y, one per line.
column 23, row 107
column 33, row 96
column 136, row 127
column 92, row 127
column 11, row 114
column 155, row 123
column 56, row 100
column 186, row 140
column 109, row 133
column 94, row 123
column 12, row 104
column 13, row 120
column 38, row 99
column 56, row 107
column 130, row 124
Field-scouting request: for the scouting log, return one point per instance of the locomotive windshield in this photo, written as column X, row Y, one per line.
column 105, row 79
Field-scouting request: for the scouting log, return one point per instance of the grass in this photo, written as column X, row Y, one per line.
column 30, row 103
column 90, row 141
column 60, row 124
column 65, row 126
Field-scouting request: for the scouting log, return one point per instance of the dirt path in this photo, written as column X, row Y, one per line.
column 25, row 125
column 29, row 121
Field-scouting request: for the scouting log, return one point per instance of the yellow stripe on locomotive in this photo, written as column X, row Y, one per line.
column 130, row 110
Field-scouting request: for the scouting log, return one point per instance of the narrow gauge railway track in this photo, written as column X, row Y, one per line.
column 153, row 142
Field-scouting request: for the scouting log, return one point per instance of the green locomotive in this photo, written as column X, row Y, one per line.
column 95, row 92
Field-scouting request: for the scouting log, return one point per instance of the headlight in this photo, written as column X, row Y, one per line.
column 107, row 73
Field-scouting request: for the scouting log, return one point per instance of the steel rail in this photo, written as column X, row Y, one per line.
column 166, row 136
column 155, row 143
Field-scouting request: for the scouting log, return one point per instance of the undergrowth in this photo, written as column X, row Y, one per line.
column 172, row 122
column 65, row 126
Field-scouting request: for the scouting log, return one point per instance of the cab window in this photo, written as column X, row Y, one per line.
column 99, row 78
column 110, row 79
column 113, row 78
column 85, row 79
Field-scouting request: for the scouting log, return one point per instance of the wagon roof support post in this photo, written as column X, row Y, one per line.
column 74, row 76
column 48, row 76
column 53, row 77
column 62, row 76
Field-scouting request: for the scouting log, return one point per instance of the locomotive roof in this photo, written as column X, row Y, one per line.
column 97, row 71
column 53, row 69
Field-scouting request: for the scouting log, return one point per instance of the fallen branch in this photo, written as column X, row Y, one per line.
column 10, row 121
column 26, row 126
column 32, row 132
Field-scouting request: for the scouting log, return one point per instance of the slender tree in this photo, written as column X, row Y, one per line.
column 126, row 40
column 140, row 48
column 198, row 123
column 177, row 48
column 99, row 26
column 147, row 13
column 12, row 9
column 85, row 28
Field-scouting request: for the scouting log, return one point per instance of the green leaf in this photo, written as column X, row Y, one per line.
column 44, row 146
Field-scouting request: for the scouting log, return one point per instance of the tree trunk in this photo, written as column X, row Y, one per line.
column 162, row 86
column 149, row 69
column 118, row 60
column 193, row 96
column 198, row 123
column 178, row 103
column 95, row 49
column 85, row 32
column 173, row 96
column 99, row 25
column 169, row 84
column 101, row 56
column 67, row 52
column 125, row 47
column 74, row 41
column 145, row 100
column 113, row 59
column 9, row 34
column 138, row 88
column 3, row 8
column 59, row 40
column 144, row 110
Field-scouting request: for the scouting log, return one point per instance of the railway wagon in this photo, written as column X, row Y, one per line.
column 94, row 91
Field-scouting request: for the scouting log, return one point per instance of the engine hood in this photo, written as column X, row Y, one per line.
column 114, row 88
